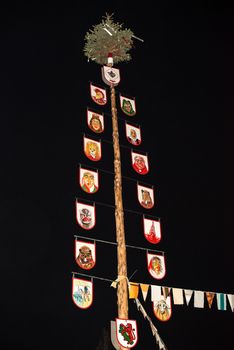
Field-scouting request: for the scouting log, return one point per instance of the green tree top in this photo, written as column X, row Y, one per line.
column 107, row 38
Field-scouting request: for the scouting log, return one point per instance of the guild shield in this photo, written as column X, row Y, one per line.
column 89, row 180
column 145, row 196
column 133, row 134
column 85, row 215
column 152, row 230
column 162, row 308
column 92, row 149
column 127, row 334
column 82, row 293
column 110, row 75
column 140, row 163
column 127, row 105
column 156, row 265
column 98, row 94
column 95, row 121
column 85, row 254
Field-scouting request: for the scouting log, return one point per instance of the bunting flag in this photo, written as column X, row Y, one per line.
column 110, row 75
column 92, row 149
column 114, row 340
column 188, row 294
column 95, row 121
column 178, row 296
column 89, row 180
column 198, row 299
column 85, row 254
column 156, row 265
column 82, row 293
column 133, row 290
column 127, row 334
column 145, row 196
column 162, row 308
column 144, row 290
column 210, row 297
column 221, row 301
column 133, row 134
column 98, row 94
column 152, row 230
column 156, row 293
column 85, row 215
column 140, row 163
column 231, row 300
column 127, row 105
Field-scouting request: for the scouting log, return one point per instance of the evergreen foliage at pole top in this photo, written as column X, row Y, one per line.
column 108, row 38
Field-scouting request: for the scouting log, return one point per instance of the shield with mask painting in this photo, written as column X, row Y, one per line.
column 85, row 254
column 145, row 196
column 98, row 94
column 85, row 215
column 133, row 134
column 156, row 265
column 140, row 163
column 89, row 180
column 92, row 149
column 127, row 105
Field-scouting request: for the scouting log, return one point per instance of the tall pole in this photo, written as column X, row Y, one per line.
column 122, row 286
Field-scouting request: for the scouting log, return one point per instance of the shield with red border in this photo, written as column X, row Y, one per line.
column 85, row 254
column 85, row 215
column 156, row 265
column 98, row 94
column 162, row 308
column 133, row 134
column 127, row 334
column 82, row 292
column 89, row 180
column 140, row 163
column 145, row 196
column 95, row 121
column 92, row 149
column 127, row 105
column 110, row 75
column 152, row 230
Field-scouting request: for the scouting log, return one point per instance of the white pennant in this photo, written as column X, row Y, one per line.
column 155, row 293
column 231, row 300
column 188, row 294
column 178, row 296
column 198, row 299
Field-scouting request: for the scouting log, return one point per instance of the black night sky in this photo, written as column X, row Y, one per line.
column 182, row 79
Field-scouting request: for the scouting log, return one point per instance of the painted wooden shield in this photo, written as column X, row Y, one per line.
column 95, row 121
column 89, row 180
column 140, row 163
column 127, row 334
column 82, row 293
column 85, row 215
column 127, row 105
column 85, row 254
column 98, row 94
column 145, row 196
column 156, row 265
column 110, row 75
column 92, row 149
column 152, row 230
column 133, row 134
column 162, row 308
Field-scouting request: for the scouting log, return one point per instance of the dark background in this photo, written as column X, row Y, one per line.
column 182, row 79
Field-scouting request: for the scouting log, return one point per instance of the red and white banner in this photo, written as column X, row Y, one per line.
column 85, row 215
column 127, row 334
column 127, row 105
column 92, row 149
column 89, row 180
column 98, row 94
column 110, row 75
column 156, row 265
column 133, row 134
column 82, row 292
column 162, row 308
column 85, row 254
column 152, row 230
column 145, row 196
column 95, row 121
column 140, row 163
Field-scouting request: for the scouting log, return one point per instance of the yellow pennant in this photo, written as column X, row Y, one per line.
column 133, row 290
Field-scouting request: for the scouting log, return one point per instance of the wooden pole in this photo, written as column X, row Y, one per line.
column 122, row 286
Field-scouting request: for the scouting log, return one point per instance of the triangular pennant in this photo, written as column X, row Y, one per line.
column 133, row 134
column 145, row 196
column 210, row 297
column 127, row 334
column 156, row 265
column 155, row 293
column 114, row 340
column 231, row 300
column 198, row 299
column 98, row 94
column 92, row 149
column 144, row 290
column 133, row 290
column 178, row 296
column 82, row 292
column 221, row 301
column 162, row 308
column 95, row 121
column 85, row 254
column 85, row 215
column 188, row 294
column 127, row 105
column 152, row 230
column 140, row 163
column 89, row 180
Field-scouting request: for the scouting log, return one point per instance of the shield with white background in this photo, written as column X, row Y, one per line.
column 82, row 292
column 85, row 215
column 156, row 265
column 152, row 230
column 127, row 334
column 85, row 254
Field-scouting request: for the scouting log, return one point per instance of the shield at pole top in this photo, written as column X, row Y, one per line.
column 127, row 334
column 110, row 75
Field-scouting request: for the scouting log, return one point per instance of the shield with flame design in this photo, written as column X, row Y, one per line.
column 152, row 230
